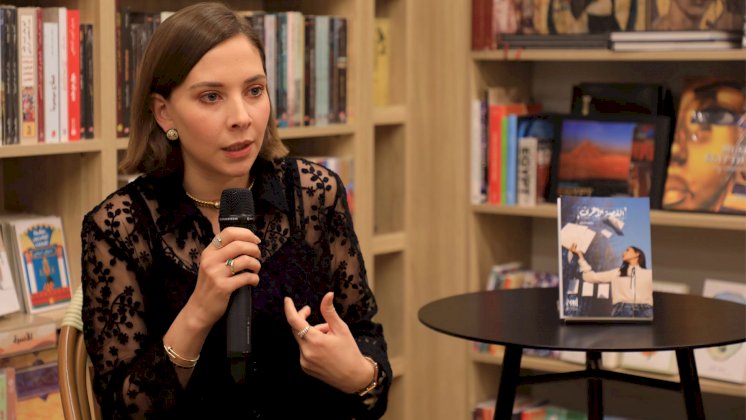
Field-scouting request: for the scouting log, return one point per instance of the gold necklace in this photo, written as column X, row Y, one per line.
column 207, row 203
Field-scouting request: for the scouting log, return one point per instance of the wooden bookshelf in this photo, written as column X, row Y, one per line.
column 606, row 55
column 546, row 364
column 69, row 179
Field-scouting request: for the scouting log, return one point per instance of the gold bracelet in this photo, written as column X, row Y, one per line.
column 374, row 382
column 178, row 360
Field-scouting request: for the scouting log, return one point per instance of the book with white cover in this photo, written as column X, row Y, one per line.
column 724, row 363
column 655, row 36
column 675, row 45
column 605, row 261
column 9, row 302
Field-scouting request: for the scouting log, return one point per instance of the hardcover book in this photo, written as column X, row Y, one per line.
column 42, row 257
column 725, row 363
column 610, row 155
column 606, row 270
column 707, row 168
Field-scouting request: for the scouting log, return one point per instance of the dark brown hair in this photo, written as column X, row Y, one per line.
column 175, row 48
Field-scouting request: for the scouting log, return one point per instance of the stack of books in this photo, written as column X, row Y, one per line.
column 675, row 40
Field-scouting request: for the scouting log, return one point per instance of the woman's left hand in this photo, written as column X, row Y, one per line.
column 328, row 351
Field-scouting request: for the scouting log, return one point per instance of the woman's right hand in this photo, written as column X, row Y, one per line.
column 574, row 250
column 215, row 281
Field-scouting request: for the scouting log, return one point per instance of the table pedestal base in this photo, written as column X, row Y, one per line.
column 511, row 378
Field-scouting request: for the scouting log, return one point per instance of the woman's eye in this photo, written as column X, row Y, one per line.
column 210, row 97
column 715, row 115
column 256, row 90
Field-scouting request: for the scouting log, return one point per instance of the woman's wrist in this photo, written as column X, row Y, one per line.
column 370, row 377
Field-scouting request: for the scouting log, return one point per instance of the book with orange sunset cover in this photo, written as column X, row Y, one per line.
column 610, row 155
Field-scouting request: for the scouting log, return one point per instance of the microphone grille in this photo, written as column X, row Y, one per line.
column 236, row 201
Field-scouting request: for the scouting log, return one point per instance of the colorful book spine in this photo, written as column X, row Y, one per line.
column 73, row 74
column 27, row 62
column 51, row 82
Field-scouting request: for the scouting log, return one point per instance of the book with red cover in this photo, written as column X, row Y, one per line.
column 707, row 168
column 73, row 74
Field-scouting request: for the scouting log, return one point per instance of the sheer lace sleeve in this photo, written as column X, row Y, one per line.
column 133, row 376
column 352, row 296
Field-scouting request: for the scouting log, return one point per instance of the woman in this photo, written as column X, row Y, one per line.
column 631, row 283
column 158, row 272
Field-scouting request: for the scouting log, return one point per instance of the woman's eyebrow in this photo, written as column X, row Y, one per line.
column 213, row 84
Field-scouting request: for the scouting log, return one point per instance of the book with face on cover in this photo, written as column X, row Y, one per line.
column 707, row 166
column 605, row 259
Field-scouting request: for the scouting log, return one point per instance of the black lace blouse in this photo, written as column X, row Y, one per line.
column 141, row 249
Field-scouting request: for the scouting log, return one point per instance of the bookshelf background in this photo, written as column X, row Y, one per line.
column 421, row 237
column 70, row 178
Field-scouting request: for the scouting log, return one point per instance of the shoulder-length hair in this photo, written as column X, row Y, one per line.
column 640, row 260
column 175, row 48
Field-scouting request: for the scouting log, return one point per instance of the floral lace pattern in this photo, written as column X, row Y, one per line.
column 141, row 249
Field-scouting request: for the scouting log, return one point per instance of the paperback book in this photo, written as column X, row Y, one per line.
column 8, row 296
column 42, row 259
column 605, row 268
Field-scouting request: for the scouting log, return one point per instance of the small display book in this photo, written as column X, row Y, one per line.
column 606, row 269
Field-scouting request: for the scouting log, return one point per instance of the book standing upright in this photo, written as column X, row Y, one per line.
column 605, row 259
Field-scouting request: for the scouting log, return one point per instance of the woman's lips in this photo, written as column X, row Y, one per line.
column 240, row 149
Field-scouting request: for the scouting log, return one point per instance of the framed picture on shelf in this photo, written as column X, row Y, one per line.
column 610, row 155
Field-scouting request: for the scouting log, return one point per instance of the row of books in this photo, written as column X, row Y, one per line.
column 33, row 264
column 46, row 77
column 619, row 139
column 627, row 41
column 494, row 19
column 305, row 55
column 527, row 408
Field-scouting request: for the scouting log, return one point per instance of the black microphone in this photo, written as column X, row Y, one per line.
column 237, row 209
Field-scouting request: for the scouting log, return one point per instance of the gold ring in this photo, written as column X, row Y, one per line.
column 229, row 262
column 302, row 333
column 217, row 241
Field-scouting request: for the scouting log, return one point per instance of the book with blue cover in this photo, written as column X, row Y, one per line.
column 605, row 259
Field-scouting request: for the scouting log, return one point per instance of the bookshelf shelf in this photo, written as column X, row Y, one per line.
column 311, row 132
column 73, row 177
column 82, row 146
column 606, row 55
column 388, row 243
column 390, row 115
column 553, row 365
column 657, row 217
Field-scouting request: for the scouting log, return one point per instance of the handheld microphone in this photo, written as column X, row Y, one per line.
column 237, row 209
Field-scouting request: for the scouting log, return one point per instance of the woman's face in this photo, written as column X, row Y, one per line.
column 221, row 111
column 629, row 255
column 702, row 154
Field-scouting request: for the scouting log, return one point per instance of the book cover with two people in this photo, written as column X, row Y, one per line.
column 606, row 267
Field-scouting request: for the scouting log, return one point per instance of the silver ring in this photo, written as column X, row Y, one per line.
column 229, row 262
column 217, row 241
column 302, row 333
